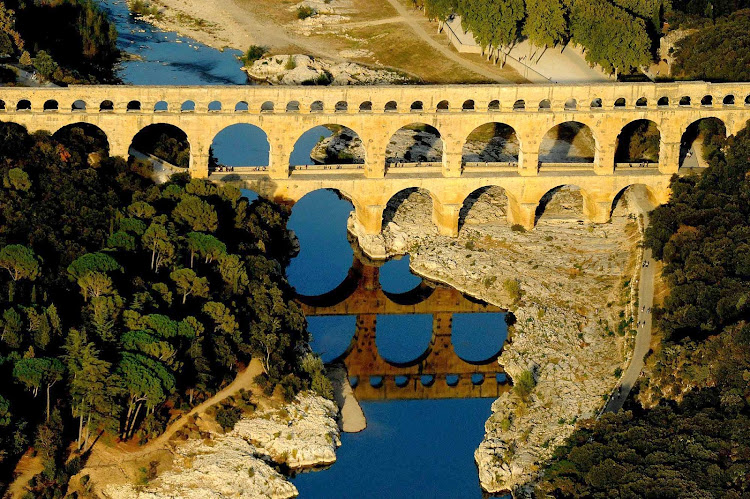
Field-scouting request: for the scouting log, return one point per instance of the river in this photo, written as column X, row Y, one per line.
column 422, row 425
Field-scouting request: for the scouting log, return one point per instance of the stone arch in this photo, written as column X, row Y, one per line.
column 292, row 106
column 187, row 107
column 562, row 202
column 341, row 107
column 242, row 107
column 106, row 105
column 161, row 107
column 700, row 140
column 621, row 102
column 329, row 144
column 519, row 105
column 2, row 105
column 23, row 105
column 685, row 100
column 214, row 106
column 86, row 137
column 571, row 105
column 78, row 106
column 494, row 105
column 443, row 106
column 642, row 200
column 642, row 102
column 416, row 107
column 165, row 142
column 133, row 105
column 267, row 107
column 663, row 101
column 638, row 142
column 415, row 143
column 238, row 145
column 491, row 143
column 492, row 200
column 365, row 107
column 51, row 105
column 419, row 201
column 468, row 105
column 317, row 106
column 707, row 101
column 390, row 107
column 747, row 100
column 568, row 142
column 596, row 104
column 545, row 105
column 728, row 100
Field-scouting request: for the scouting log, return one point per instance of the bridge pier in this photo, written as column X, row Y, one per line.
column 445, row 217
column 528, row 162
column 370, row 217
column 669, row 157
column 523, row 214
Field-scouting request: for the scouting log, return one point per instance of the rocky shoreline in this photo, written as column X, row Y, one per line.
column 563, row 282
column 245, row 462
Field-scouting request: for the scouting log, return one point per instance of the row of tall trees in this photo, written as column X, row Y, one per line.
column 686, row 433
column 617, row 35
column 122, row 301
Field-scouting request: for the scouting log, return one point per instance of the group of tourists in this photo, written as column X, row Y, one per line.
column 223, row 168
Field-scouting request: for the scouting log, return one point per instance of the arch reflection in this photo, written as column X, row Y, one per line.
column 448, row 375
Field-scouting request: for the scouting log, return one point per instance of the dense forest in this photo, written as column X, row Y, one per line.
column 618, row 35
column 123, row 302
column 687, row 431
column 64, row 41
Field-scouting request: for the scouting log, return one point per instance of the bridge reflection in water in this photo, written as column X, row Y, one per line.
column 439, row 372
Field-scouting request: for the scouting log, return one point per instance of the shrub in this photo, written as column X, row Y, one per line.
column 254, row 52
column 227, row 417
column 517, row 228
column 304, row 12
column 513, row 288
column 524, row 384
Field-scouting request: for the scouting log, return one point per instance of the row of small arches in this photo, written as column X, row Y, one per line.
column 367, row 106
column 427, row 380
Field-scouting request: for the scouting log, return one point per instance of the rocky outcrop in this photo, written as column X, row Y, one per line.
column 299, row 69
column 240, row 463
column 564, row 283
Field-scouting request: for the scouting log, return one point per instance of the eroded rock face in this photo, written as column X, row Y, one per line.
column 300, row 69
column 564, row 283
column 236, row 464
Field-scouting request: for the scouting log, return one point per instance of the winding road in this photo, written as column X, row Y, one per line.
column 643, row 336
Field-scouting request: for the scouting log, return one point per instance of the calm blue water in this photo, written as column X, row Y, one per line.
column 410, row 449
column 167, row 58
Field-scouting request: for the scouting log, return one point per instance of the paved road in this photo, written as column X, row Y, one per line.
column 409, row 19
column 643, row 337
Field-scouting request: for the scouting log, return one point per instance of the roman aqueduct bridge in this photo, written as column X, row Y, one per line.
column 375, row 113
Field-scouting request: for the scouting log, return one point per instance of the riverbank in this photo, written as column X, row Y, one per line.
column 564, row 283
column 372, row 34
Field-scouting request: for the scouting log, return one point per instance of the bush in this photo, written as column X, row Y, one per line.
column 513, row 288
column 304, row 12
column 228, row 416
column 517, row 228
column 254, row 52
column 524, row 384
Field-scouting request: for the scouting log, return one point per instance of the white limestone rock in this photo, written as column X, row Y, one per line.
column 303, row 69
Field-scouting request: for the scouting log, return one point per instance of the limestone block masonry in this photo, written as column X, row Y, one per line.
column 375, row 113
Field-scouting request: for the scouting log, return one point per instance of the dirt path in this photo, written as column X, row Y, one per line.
column 409, row 19
column 104, row 456
column 27, row 468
